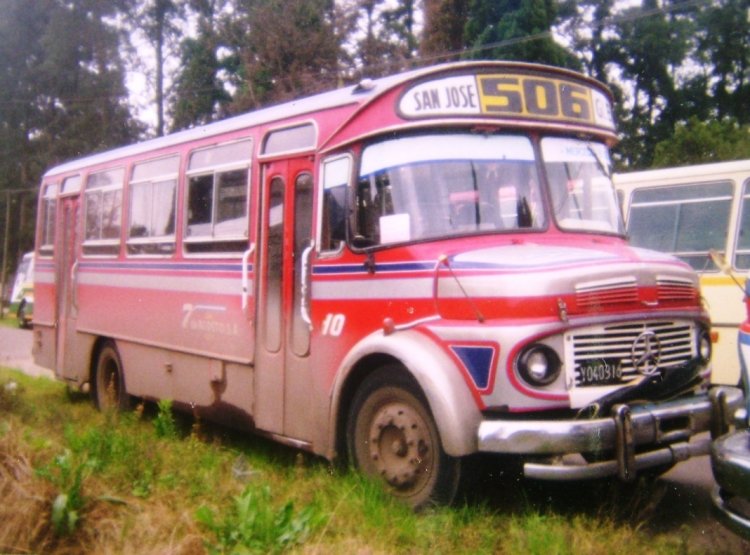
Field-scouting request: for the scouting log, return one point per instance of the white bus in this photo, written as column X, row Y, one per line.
column 689, row 212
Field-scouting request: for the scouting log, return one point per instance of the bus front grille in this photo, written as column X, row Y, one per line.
column 629, row 349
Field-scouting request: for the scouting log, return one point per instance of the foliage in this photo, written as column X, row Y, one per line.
column 157, row 19
column 444, row 23
column 253, row 525
column 63, row 94
column 67, row 474
column 131, row 491
column 703, row 142
column 279, row 58
column 515, row 30
column 164, row 424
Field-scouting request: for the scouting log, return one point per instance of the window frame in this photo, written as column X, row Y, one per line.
column 109, row 246
column 193, row 244
column 737, row 251
column 152, row 181
column 321, row 208
column 694, row 258
column 48, row 224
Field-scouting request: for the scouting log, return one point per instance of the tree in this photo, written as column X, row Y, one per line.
column 697, row 142
column 199, row 94
column 279, row 58
column 444, row 23
column 515, row 30
column 389, row 38
column 62, row 93
column 724, row 40
column 159, row 20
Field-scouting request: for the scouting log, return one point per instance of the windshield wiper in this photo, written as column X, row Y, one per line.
column 604, row 169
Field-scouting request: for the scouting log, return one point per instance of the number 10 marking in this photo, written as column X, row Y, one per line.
column 333, row 324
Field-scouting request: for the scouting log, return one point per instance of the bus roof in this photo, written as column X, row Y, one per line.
column 694, row 171
column 360, row 94
column 353, row 94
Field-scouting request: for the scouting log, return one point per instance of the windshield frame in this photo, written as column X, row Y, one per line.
column 438, row 185
column 582, row 196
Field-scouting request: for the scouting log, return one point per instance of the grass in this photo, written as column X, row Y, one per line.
column 8, row 321
column 74, row 480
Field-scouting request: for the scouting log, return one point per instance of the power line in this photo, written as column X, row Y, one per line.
column 609, row 21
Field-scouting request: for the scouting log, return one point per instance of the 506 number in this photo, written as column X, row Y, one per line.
column 537, row 96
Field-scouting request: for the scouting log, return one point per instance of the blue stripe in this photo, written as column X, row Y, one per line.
column 170, row 266
column 364, row 269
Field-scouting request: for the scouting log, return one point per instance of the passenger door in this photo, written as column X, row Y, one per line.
column 66, row 275
column 283, row 333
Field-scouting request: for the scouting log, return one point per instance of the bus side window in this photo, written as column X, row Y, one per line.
column 49, row 213
column 103, row 212
column 217, row 198
column 687, row 220
column 336, row 173
column 742, row 250
column 153, row 191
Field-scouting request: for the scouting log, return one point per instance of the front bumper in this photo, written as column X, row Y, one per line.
column 635, row 438
column 730, row 460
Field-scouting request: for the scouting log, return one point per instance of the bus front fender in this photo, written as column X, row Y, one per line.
column 452, row 405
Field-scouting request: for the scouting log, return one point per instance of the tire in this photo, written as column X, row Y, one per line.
column 392, row 435
column 109, row 380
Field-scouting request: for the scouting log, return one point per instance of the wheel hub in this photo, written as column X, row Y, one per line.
column 399, row 445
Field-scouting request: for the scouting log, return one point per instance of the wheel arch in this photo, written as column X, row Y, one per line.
column 451, row 404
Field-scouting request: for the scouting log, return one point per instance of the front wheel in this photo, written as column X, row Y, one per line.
column 109, row 380
column 392, row 435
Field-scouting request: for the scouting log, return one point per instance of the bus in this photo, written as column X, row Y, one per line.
column 22, row 293
column 695, row 213
column 397, row 274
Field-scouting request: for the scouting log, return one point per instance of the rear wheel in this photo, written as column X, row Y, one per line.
column 109, row 381
column 392, row 435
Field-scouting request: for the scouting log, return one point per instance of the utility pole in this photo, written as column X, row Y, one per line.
column 6, row 242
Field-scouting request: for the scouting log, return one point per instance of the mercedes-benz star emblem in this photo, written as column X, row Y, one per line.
column 646, row 353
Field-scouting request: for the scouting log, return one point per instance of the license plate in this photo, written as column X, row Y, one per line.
column 600, row 372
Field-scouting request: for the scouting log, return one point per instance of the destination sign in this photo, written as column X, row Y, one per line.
column 527, row 96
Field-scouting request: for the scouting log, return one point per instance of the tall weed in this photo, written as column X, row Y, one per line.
column 67, row 473
column 164, row 423
column 253, row 525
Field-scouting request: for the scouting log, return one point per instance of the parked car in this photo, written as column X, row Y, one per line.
column 22, row 294
column 730, row 453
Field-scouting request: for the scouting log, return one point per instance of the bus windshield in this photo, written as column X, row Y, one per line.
column 431, row 186
column 440, row 185
column 579, row 175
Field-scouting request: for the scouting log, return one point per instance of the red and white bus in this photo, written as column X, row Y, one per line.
column 401, row 273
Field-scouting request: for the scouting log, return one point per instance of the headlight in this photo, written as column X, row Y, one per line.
column 539, row 365
column 704, row 345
